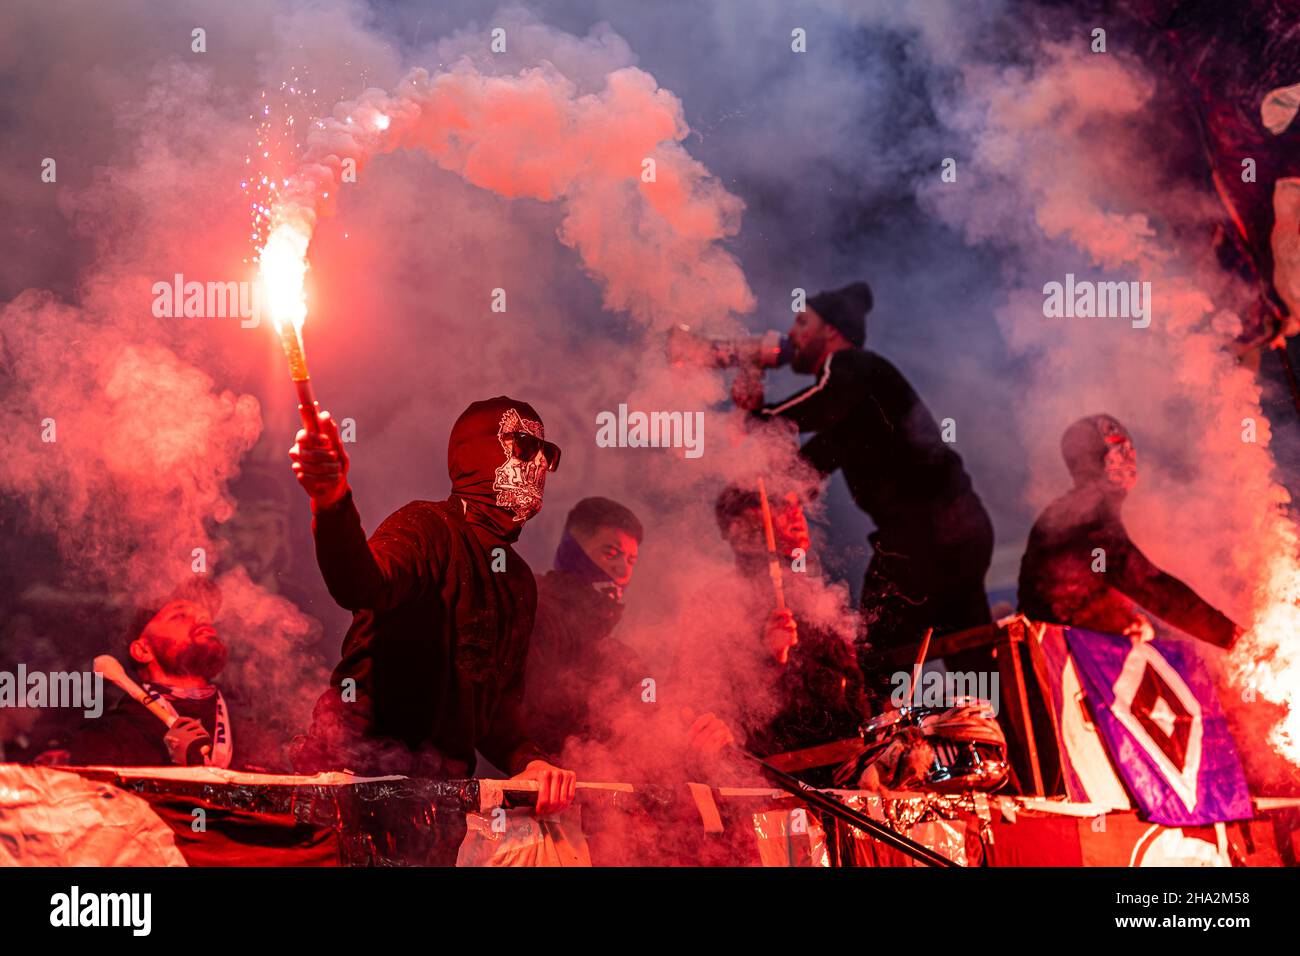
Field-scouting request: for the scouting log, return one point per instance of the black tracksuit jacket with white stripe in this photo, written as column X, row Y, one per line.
column 869, row 422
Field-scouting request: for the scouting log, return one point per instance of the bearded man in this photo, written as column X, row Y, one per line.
column 933, row 540
column 813, row 691
column 177, row 655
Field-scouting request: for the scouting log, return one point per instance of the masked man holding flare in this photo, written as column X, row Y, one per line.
column 443, row 606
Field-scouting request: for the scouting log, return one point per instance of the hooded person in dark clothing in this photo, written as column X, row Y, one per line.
column 1081, row 568
column 933, row 540
column 579, row 672
column 443, row 606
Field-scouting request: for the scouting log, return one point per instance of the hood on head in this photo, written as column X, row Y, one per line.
column 500, row 491
column 1086, row 443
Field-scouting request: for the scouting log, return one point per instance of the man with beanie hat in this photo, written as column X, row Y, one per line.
column 933, row 540
column 433, row 664
column 1060, row 580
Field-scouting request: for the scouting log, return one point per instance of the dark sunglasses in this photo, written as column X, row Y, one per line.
column 527, row 446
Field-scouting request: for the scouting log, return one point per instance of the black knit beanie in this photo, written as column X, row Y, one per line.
column 846, row 309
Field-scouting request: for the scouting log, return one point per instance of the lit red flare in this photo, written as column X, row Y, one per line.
column 1267, row 659
column 284, row 270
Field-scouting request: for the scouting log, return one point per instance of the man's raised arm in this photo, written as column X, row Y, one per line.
column 360, row 574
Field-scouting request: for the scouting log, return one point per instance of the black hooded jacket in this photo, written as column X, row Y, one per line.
column 573, row 660
column 443, row 609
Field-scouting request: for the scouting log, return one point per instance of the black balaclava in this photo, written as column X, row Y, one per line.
column 572, row 559
column 1098, row 450
column 500, row 492
column 846, row 309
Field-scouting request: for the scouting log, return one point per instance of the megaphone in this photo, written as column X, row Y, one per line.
column 756, row 351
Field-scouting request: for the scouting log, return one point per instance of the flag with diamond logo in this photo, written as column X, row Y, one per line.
column 1156, row 710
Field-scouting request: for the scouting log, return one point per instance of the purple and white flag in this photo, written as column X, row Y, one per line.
column 1156, row 709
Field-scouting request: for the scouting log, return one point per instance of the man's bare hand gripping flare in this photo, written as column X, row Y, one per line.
column 320, row 464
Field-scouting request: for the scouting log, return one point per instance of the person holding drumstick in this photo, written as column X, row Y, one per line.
column 177, row 655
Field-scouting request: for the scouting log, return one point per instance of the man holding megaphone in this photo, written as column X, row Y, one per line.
column 933, row 540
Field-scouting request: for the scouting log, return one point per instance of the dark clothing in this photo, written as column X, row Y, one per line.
column 578, row 674
column 573, row 661
column 128, row 735
column 819, row 696
column 1058, row 583
column 1222, row 62
column 933, row 540
column 436, row 647
column 937, row 582
column 586, row 697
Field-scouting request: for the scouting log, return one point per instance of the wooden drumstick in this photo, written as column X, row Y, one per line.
column 920, row 662
column 773, row 561
column 113, row 671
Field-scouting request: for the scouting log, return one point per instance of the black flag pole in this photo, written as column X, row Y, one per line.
column 830, row 804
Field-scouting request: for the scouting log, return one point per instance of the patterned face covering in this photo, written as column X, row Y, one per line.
column 1120, row 461
column 521, row 478
column 1098, row 449
column 500, row 488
